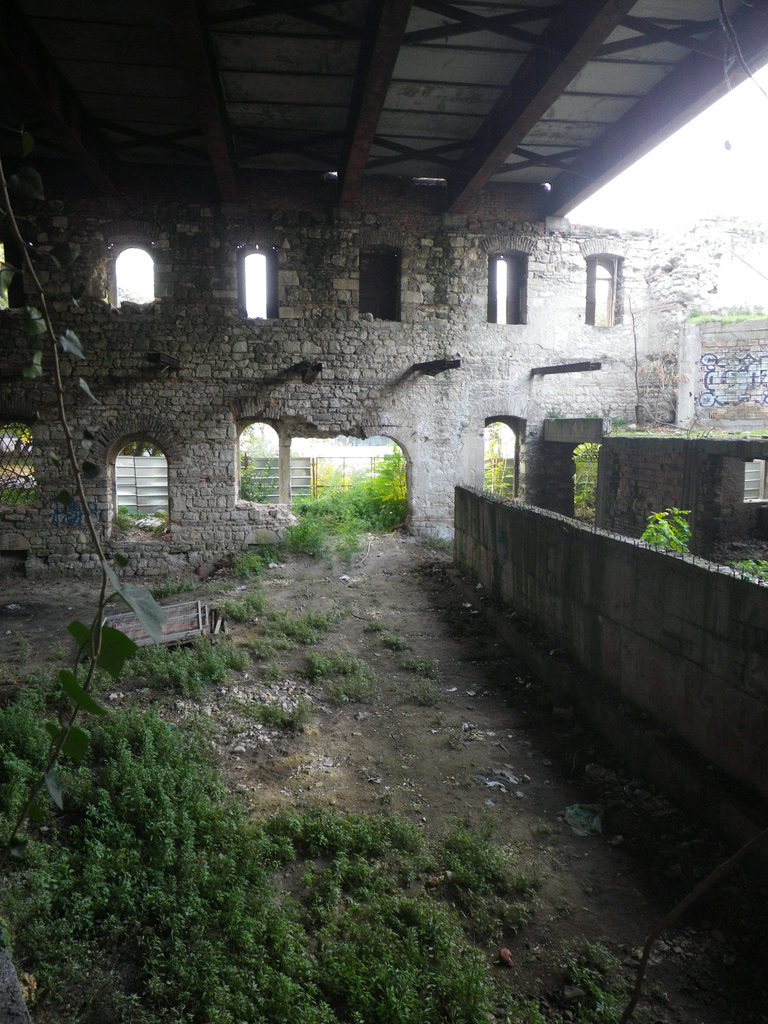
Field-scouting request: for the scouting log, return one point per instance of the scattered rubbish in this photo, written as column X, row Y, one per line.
column 11, row 607
column 452, row 689
column 343, row 579
column 585, row 819
column 469, row 693
column 375, row 780
column 505, row 957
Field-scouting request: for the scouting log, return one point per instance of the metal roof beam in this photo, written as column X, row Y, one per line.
column 684, row 35
column 374, row 72
column 28, row 63
column 686, row 91
column 467, row 21
column 195, row 54
column 575, row 34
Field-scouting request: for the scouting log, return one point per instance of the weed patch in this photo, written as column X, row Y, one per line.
column 186, row 670
column 347, row 679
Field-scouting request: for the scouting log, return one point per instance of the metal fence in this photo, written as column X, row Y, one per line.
column 310, row 476
column 141, row 483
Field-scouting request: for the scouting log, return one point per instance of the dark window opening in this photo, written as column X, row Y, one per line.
column 17, row 471
column 257, row 283
column 380, row 283
column 508, row 288
column 604, row 290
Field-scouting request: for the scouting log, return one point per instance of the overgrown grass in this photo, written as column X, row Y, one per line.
column 251, row 564
column 273, row 713
column 154, row 898
column 169, row 587
column 347, row 679
column 243, row 609
column 186, row 670
column 335, row 520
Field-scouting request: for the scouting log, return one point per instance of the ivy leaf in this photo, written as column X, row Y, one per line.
column 90, row 469
column 141, row 602
column 115, row 650
column 63, row 255
column 70, row 343
column 36, row 811
column 7, row 274
column 87, row 390
column 53, row 730
column 77, row 291
column 54, row 790
column 17, row 848
column 64, row 498
column 76, row 743
column 35, row 368
column 27, row 144
column 122, row 560
column 35, row 322
column 81, row 634
column 55, row 460
column 77, row 694
column 27, row 184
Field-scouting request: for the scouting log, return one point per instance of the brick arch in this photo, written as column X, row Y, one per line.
column 119, row 432
column 126, row 232
column 509, row 243
column 241, row 237
column 605, row 246
column 372, row 238
column 18, row 410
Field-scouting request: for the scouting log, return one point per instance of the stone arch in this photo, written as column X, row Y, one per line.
column 385, row 238
column 511, row 242
column 603, row 246
column 127, row 232
column 121, row 431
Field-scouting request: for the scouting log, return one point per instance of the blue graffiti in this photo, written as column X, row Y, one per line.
column 70, row 514
column 734, row 380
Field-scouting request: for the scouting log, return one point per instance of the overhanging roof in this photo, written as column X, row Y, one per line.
column 474, row 92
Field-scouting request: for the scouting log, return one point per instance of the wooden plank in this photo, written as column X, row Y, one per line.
column 183, row 621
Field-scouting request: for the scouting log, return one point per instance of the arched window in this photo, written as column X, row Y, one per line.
column 134, row 276
column 501, row 459
column 17, row 471
column 259, row 453
column 380, row 283
column 141, row 487
column 508, row 288
column 257, row 280
column 604, row 290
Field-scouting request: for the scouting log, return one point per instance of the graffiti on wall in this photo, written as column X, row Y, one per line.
column 70, row 514
column 737, row 379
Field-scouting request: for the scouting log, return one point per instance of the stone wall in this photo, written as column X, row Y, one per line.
column 638, row 476
column 233, row 370
column 682, row 640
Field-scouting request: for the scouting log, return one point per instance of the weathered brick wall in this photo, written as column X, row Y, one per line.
column 684, row 641
column 638, row 476
column 233, row 369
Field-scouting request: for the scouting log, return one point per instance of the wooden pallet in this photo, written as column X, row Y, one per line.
column 183, row 621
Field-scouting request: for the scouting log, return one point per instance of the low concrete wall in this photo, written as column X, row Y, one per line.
column 681, row 639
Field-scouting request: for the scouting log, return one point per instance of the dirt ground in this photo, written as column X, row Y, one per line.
column 490, row 750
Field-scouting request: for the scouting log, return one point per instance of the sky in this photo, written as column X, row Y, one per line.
column 715, row 166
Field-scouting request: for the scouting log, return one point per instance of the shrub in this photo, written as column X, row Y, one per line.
column 668, row 529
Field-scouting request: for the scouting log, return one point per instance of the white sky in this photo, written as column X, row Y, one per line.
column 694, row 175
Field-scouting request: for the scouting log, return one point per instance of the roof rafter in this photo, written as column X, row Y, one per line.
column 576, row 34
column 194, row 49
column 690, row 88
column 56, row 104
column 685, row 35
column 374, row 72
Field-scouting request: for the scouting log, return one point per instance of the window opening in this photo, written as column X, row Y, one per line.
column 500, row 460
column 585, row 460
column 17, row 471
column 604, row 280
column 507, row 288
column 259, row 451
column 380, row 283
column 134, row 276
column 141, row 487
column 258, row 284
column 755, row 488
column 12, row 290
column 373, row 475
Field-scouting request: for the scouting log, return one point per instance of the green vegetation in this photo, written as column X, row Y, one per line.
column 393, row 642
column 170, row 587
column 155, row 522
column 153, row 897
column 668, row 529
column 335, row 519
column 289, row 719
column 348, row 679
column 185, row 670
column 257, row 484
column 752, row 568
column 594, row 969
column 585, row 458
column 251, row 564
column 243, row 610
column 731, row 317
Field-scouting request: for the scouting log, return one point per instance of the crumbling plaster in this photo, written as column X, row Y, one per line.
column 230, row 364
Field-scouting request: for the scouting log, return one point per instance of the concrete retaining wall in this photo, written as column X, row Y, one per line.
column 681, row 639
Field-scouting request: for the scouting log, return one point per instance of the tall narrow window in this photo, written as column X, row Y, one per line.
column 134, row 276
column 507, row 288
column 12, row 290
column 604, row 290
column 258, row 284
column 380, row 283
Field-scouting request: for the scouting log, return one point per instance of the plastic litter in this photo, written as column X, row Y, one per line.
column 585, row 819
